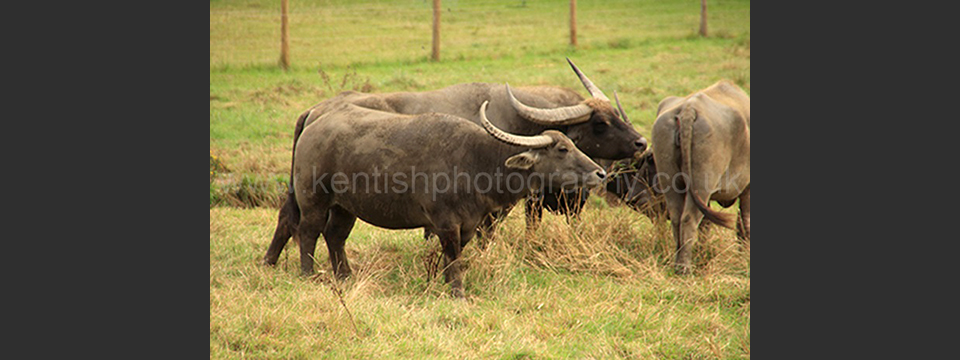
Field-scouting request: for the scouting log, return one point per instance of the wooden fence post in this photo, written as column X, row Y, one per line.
column 573, row 23
column 703, row 18
column 436, row 31
column 284, row 38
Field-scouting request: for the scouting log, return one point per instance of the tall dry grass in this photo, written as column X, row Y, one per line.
column 608, row 241
column 598, row 287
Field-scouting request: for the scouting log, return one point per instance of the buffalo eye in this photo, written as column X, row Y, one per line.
column 563, row 149
column 599, row 128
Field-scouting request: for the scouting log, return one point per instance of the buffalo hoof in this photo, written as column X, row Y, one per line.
column 267, row 262
column 682, row 269
column 457, row 293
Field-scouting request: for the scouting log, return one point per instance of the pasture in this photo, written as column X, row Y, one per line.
column 600, row 287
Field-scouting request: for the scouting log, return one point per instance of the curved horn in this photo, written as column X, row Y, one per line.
column 567, row 115
column 593, row 89
column 623, row 114
column 538, row 141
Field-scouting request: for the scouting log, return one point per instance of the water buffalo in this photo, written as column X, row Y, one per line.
column 633, row 182
column 481, row 172
column 703, row 154
column 593, row 125
column 571, row 202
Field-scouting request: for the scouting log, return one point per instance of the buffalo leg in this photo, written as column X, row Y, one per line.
column 450, row 241
column 743, row 222
column 286, row 224
column 339, row 224
column 675, row 202
column 490, row 222
column 426, row 234
column 688, row 233
column 487, row 227
column 311, row 224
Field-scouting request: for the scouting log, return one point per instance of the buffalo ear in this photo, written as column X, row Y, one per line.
column 522, row 160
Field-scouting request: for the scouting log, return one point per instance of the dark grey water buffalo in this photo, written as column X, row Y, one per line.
column 703, row 154
column 435, row 171
column 633, row 182
column 594, row 126
column 630, row 182
column 571, row 202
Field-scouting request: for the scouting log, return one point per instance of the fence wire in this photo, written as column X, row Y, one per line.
column 402, row 30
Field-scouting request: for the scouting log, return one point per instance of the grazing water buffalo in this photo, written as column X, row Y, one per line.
column 458, row 173
column 633, row 182
column 592, row 124
column 703, row 154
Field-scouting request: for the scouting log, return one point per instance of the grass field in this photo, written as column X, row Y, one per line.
column 600, row 288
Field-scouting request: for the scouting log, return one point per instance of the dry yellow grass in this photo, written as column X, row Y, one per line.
column 602, row 287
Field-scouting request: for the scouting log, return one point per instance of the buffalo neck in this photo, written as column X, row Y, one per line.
column 512, row 184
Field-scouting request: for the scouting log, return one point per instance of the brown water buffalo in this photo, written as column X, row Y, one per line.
column 481, row 172
column 703, row 154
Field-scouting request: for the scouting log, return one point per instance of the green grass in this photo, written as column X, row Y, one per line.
column 600, row 289
column 644, row 50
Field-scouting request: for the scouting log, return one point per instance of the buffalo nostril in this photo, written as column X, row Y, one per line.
column 642, row 143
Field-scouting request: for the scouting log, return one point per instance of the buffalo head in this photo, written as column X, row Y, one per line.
column 634, row 182
column 552, row 157
column 598, row 129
